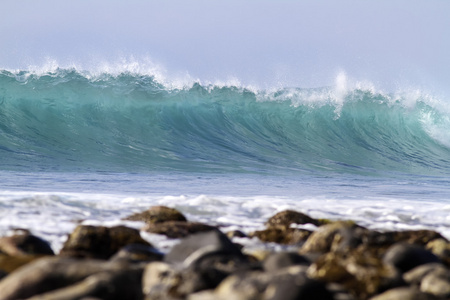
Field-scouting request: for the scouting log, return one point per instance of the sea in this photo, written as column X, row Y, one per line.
column 91, row 147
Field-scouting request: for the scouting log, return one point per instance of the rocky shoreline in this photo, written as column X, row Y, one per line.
column 338, row 260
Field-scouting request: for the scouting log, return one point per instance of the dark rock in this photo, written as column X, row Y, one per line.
column 199, row 245
column 177, row 229
column 280, row 260
column 115, row 285
column 285, row 218
column 47, row 274
column 138, row 253
column 99, row 242
column 24, row 243
column 157, row 214
column 280, row 235
column 406, row 256
column 415, row 276
column 437, row 282
column 404, row 293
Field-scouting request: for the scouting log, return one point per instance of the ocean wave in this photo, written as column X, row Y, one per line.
column 63, row 118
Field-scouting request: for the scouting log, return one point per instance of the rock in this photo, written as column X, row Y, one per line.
column 406, row 256
column 138, row 253
column 286, row 236
column 115, row 285
column 415, row 276
column 288, row 283
column 344, row 234
column 24, row 243
column 437, row 282
column 99, row 242
column 158, row 214
column 199, row 262
column 360, row 271
column 280, row 260
column 418, row 237
column 51, row 273
column 198, row 245
column 177, row 229
column 403, row 293
column 440, row 248
column 285, row 218
column 10, row 263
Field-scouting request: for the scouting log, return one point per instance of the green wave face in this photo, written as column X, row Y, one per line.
column 67, row 120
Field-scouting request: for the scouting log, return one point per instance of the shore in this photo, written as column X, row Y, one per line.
column 316, row 259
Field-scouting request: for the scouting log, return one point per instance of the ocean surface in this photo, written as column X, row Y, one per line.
column 93, row 147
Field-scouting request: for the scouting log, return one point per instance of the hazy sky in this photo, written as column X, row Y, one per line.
column 300, row 43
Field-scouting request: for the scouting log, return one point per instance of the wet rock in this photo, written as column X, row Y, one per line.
column 285, row 218
column 135, row 253
column 404, row 293
column 158, row 214
column 407, row 256
column 340, row 235
column 415, row 276
column 24, row 243
column 51, row 273
column 437, row 282
column 99, row 242
column 286, row 236
column 115, row 285
column 177, row 229
column 280, row 260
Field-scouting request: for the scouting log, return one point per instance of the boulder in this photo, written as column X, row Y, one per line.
column 158, row 214
column 99, row 241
